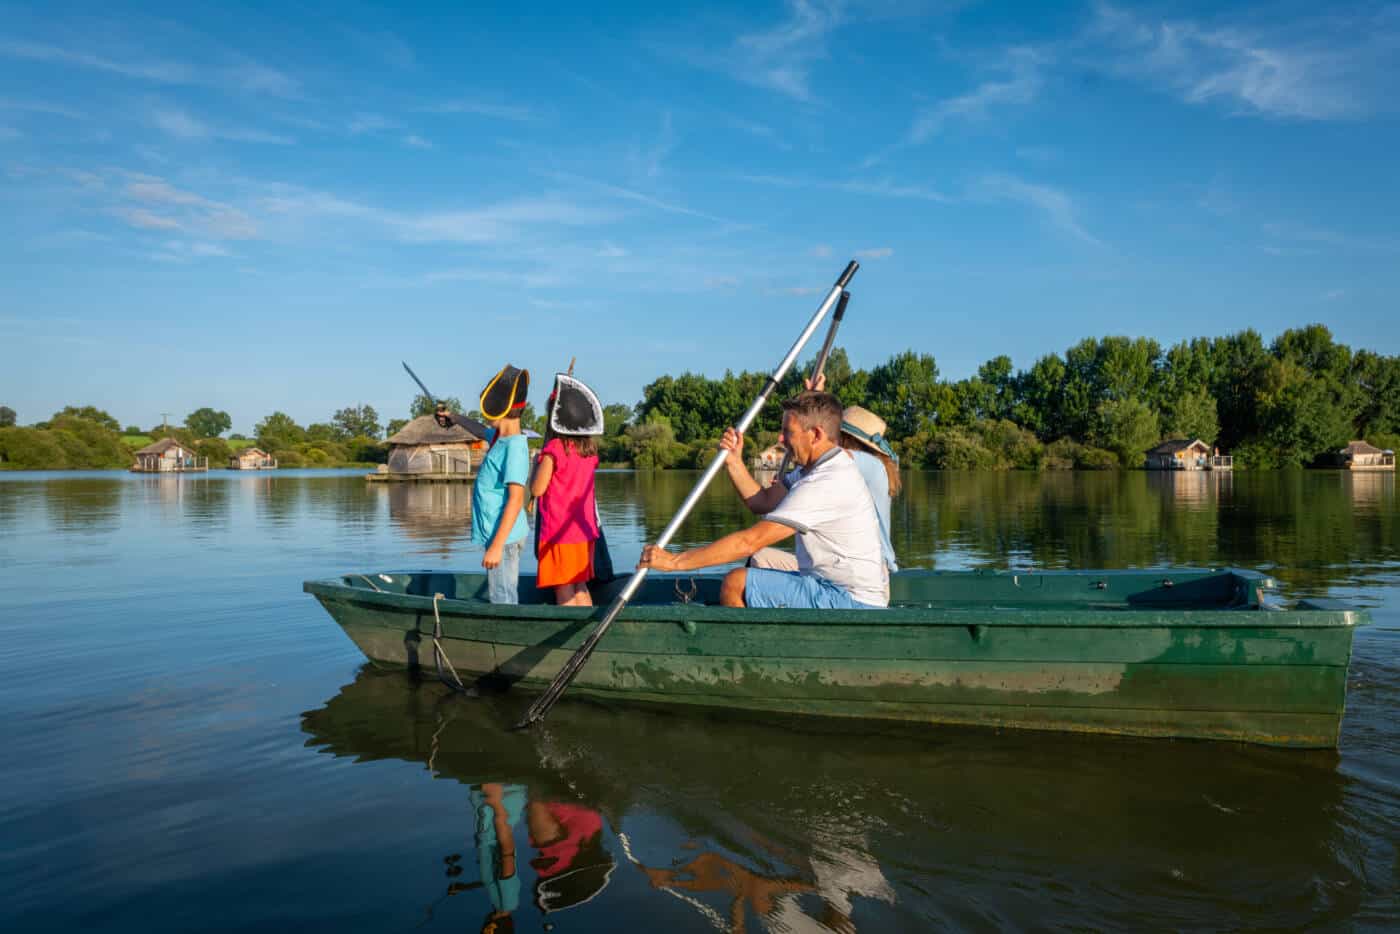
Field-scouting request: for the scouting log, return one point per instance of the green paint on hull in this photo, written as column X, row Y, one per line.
column 1197, row 657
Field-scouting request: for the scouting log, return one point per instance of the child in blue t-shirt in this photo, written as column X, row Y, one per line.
column 498, row 496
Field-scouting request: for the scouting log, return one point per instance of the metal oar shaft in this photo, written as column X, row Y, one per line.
column 542, row 705
column 820, row 366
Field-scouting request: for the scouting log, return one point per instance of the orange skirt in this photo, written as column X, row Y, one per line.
column 561, row 564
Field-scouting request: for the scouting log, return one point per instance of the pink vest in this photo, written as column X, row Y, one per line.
column 567, row 511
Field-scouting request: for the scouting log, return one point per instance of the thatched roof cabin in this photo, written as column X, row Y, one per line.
column 425, row 447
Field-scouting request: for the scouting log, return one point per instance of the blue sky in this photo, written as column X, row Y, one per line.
column 267, row 207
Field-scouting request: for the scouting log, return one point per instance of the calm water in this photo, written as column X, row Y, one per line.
column 189, row 742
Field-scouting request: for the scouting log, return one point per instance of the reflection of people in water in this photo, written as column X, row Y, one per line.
column 498, row 808
column 571, row 867
column 712, row 872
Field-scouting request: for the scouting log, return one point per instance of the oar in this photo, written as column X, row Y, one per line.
column 819, row 366
column 542, row 705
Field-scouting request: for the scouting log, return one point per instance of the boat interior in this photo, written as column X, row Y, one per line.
column 1147, row 589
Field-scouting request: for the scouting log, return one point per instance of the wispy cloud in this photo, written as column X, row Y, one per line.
column 628, row 194
column 1303, row 233
column 24, row 105
column 368, row 123
column 236, row 73
column 1333, row 294
column 183, row 210
column 883, row 252
column 382, row 45
column 647, row 161
column 821, row 250
column 182, row 251
column 481, row 107
column 417, row 142
column 1057, row 207
column 182, row 125
column 145, row 220
column 777, row 58
column 1329, row 68
column 883, row 188
column 760, row 130
column 1018, row 86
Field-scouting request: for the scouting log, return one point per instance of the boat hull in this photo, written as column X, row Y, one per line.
column 1266, row 676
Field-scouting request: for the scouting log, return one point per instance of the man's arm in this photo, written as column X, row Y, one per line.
column 736, row 546
column 760, row 501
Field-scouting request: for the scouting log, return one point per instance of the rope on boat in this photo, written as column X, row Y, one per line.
column 439, row 655
column 714, row 917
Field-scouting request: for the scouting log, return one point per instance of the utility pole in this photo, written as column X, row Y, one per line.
column 164, row 427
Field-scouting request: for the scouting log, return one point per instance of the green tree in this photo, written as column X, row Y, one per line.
column 7, row 416
column 208, row 423
column 394, row 427
column 1192, row 415
column 278, row 432
column 324, row 431
column 905, row 392
column 1300, row 415
column 1127, row 427
column 616, row 415
column 422, row 405
column 357, row 421
column 92, row 414
column 652, row 444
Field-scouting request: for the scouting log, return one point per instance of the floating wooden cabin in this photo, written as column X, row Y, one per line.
column 771, row 458
column 168, row 456
column 425, row 451
column 252, row 459
column 1184, row 454
column 1358, row 455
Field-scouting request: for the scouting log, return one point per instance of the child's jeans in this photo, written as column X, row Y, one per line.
column 503, row 581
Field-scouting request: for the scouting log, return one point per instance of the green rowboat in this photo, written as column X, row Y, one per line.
column 1167, row 653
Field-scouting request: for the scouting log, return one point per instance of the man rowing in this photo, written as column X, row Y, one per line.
column 839, row 556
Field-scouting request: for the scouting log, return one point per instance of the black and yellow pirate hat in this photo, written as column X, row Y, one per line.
column 504, row 396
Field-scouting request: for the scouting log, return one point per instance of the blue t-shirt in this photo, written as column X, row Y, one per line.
column 504, row 893
column 507, row 462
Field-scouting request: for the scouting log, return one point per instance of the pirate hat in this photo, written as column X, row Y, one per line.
column 574, row 409
column 504, row 396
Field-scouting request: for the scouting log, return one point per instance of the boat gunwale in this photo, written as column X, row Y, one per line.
column 1318, row 615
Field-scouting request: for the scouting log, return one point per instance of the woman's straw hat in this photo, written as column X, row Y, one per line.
column 867, row 428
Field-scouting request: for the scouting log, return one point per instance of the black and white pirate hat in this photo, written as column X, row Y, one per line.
column 574, row 409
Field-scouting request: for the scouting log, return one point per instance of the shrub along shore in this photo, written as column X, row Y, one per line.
column 1100, row 405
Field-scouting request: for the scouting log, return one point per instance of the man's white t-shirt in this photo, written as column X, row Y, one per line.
column 838, row 532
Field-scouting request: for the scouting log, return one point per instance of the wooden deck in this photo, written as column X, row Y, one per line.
column 420, row 477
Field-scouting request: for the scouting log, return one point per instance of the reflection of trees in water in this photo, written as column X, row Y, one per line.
column 436, row 515
column 1316, row 527
column 277, row 501
column 83, row 504
column 207, row 504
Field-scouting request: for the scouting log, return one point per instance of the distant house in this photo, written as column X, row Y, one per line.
column 771, row 458
column 424, row 450
column 168, row 456
column 1358, row 455
column 252, row 459
column 1184, row 454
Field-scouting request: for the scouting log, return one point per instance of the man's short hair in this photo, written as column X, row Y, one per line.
column 816, row 410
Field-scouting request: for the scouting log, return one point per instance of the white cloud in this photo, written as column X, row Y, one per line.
column 884, row 188
column 779, row 58
column 646, row 162
column 151, row 70
column 1328, row 68
column 821, row 250
column 24, row 105
column 145, row 220
column 481, row 107
column 1056, row 205
column 368, row 123
column 1327, row 237
column 182, row 125
column 416, row 141
column 883, row 252
column 195, row 212
column 1018, row 87
column 1333, row 295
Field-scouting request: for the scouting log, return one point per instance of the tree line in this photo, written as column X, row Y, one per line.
column 1102, row 403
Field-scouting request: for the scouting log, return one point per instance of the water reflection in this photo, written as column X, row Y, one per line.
column 436, row 516
column 734, row 825
column 85, row 504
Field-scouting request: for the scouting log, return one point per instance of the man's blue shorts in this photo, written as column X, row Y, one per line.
column 766, row 588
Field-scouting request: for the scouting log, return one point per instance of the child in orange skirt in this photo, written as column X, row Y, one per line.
column 566, row 522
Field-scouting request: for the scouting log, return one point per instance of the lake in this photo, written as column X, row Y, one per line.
column 189, row 741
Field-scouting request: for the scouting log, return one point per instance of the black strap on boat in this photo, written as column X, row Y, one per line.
column 439, row 655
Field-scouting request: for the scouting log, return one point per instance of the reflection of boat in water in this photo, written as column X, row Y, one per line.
column 1180, row 653
column 895, row 831
column 438, row 515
